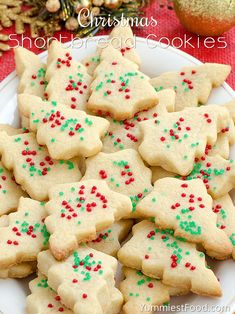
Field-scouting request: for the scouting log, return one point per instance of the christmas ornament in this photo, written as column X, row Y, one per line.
column 71, row 24
column 206, row 18
column 45, row 17
column 52, row 6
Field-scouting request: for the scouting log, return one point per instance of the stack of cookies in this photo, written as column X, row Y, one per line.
column 103, row 148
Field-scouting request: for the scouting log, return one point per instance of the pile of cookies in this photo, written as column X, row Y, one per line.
column 104, row 148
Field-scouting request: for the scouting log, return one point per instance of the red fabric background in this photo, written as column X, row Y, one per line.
column 168, row 26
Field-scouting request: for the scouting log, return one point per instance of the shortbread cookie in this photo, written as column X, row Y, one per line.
column 186, row 208
column 10, row 130
column 21, row 270
column 225, row 211
column 217, row 173
column 157, row 253
column 231, row 108
column 123, row 171
column 78, row 210
column 91, row 62
column 109, row 240
column 141, row 293
column 26, row 234
column 84, row 281
column 68, row 80
column 126, row 134
column 193, row 85
column 174, row 140
column 31, row 72
column 10, row 192
column 32, row 166
column 119, row 89
column 43, row 300
column 57, row 124
column 122, row 39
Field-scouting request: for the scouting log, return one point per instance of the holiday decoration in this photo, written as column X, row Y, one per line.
column 206, row 18
column 45, row 17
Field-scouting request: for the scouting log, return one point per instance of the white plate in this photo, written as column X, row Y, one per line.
column 156, row 59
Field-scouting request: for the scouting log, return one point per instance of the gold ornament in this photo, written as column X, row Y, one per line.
column 82, row 4
column 52, row 6
column 98, row 3
column 71, row 24
column 112, row 4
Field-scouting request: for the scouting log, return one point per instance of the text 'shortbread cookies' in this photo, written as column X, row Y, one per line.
column 119, row 89
column 84, row 281
column 65, row 132
column 193, row 85
column 32, row 166
column 25, row 235
column 68, row 80
column 77, row 211
column 157, row 253
column 126, row 134
column 186, row 208
column 174, row 140
column 123, row 171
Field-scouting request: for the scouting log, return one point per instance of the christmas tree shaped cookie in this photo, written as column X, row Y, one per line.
column 126, row 134
column 43, row 300
column 108, row 241
column 119, row 89
column 157, row 253
column 91, row 62
column 32, row 166
column 186, row 208
column 193, row 85
column 57, row 124
column 84, row 281
column 31, row 72
column 21, row 270
column 10, row 130
column 217, row 173
column 225, row 211
column 68, row 81
column 25, row 235
column 226, row 137
column 141, row 293
column 10, row 192
column 122, row 39
column 174, row 140
column 123, row 171
column 78, row 210
column 231, row 108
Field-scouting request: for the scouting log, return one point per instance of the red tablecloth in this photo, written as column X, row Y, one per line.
column 169, row 27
